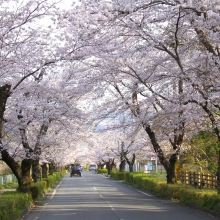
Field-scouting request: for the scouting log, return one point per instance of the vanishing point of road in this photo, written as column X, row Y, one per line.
column 96, row 197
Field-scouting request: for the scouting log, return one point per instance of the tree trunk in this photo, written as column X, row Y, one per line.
column 21, row 171
column 171, row 172
column 44, row 170
column 112, row 164
column 122, row 154
column 169, row 165
column 25, row 181
column 4, row 94
column 131, row 168
column 36, row 171
column 51, row 168
column 122, row 166
column 101, row 165
column 218, row 172
column 108, row 166
column 130, row 163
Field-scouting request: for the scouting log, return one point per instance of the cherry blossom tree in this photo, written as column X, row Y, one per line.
column 114, row 72
column 21, row 44
column 157, row 62
column 31, row 101
column 148, row 52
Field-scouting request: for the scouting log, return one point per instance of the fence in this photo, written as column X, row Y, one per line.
column 7, row 179
column 198, row 179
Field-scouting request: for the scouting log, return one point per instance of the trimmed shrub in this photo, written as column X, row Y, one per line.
column 102, row 171
column 47, row 181
column 211, row 202
column 128, row 177
column 207, row 199
column 13, row 204
column 58, row 176
column 117, row 175
column 38, row 189
column 51, row 181
column 201, row 198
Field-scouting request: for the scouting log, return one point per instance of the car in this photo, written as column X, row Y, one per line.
column 75, row 170
column 92, row 167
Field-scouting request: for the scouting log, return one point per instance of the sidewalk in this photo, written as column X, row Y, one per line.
column 7, row 190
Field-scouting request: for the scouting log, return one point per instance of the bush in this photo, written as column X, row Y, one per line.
column 128, row 177
column 201, row 198
column 38, row 189
column 206, row 199
column 102, row 171
column 47, row 181
column 58, row 176
column 117, row 175
column 211, row 202
column 9, row 185
column 13, row 204
column 53, row 179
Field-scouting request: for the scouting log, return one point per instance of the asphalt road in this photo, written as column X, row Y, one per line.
column 95, row 197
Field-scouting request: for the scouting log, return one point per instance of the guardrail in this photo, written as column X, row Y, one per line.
column 7, row 179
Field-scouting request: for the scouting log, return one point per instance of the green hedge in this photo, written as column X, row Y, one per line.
column 13, row 204
column 117, row 175
column 52, row 180
column 103, row 171
column 211, row 202
column 38, row 189
column 205, row 199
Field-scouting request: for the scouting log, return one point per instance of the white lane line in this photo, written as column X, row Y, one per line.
column 35, row 218
column 140, row 191
column 54, row 192
column 104, row 176
column 143, row 193
column 66, row 214
column 112, row 208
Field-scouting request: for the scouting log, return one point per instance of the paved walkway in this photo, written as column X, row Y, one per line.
column 6, row 190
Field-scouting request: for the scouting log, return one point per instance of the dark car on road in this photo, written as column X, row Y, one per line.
column 76, row 170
